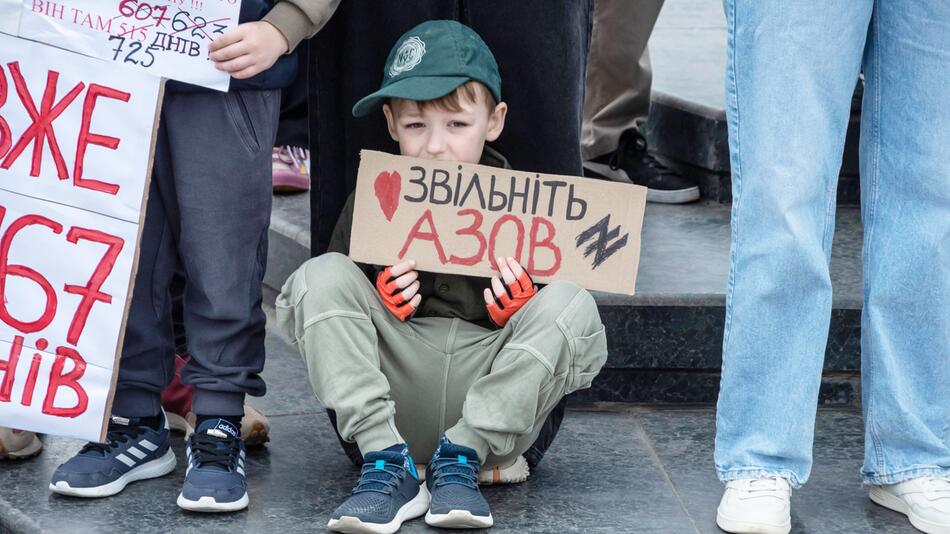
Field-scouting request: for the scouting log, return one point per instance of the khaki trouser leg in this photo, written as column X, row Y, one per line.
column 618, row 72
column 555, row 345
column 332, row 313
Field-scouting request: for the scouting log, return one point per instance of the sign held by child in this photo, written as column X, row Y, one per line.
column 456, row 218
column 76, row 139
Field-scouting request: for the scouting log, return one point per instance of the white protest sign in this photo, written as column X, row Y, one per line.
column 76, row 138
column 9, row 16
column 166, row 38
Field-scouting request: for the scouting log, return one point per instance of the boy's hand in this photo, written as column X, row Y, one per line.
column 399, row 288
column 248, row 49
column 504, row 303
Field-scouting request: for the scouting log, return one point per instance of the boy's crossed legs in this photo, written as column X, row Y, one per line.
column 482, row 395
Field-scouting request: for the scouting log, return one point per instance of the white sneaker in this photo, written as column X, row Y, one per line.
column 924, row 500
column 756, row 505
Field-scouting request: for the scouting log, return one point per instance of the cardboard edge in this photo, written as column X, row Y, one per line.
column 135, row 262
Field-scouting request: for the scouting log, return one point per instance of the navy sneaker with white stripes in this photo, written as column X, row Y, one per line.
column 215, row 480
column 452, row 479
column 133, row 451
column 388, row 494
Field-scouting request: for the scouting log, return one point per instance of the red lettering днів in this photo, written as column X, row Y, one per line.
column 23, row 271
column 494, row 234
column 31, row 380
column 5, row 134
column 472, row 231
column 9, row 368
column 91, row 291
column 87, row 138
column 42, row 127
column 547, row 242
column 433, row 235
column 70, row 380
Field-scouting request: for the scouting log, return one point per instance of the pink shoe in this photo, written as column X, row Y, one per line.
column 290, row 166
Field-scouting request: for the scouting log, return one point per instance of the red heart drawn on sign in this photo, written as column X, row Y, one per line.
column 387, row 188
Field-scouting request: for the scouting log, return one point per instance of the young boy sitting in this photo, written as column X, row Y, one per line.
column 436, row 365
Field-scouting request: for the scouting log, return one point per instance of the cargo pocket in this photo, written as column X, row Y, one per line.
column 589, row 353
column 241, row 117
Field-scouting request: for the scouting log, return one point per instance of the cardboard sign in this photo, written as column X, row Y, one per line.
column 166, row 38
column 76, row 139
column 9, row 16
column 457, row 218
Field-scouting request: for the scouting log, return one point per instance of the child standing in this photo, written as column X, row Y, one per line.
column 208, row 213
column 431, row 364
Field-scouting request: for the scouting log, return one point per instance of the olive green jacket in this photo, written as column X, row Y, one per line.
column 443, row 295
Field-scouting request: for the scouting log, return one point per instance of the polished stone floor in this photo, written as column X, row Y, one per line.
column 613, row 468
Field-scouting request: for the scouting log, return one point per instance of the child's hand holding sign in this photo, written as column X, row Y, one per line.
column 399, row 288
column 249, row 49
column 510, row 296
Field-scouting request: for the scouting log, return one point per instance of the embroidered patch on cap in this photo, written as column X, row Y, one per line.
column 408, row 56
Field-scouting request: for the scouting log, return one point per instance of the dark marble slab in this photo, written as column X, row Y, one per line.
column 833, row 500
column 684, row 337
column 672, row 386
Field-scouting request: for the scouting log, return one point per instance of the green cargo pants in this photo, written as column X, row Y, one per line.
column 393, row 382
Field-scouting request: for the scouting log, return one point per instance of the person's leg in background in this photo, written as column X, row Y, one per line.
column 905, row 196
column 617, row 100
column 291, row 154
column 789, row 80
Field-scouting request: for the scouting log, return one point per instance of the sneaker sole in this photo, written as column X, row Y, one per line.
column 892, row 502
column 750, row 527
column 513, row 474
column 411, row 510
column 207, row 504
column 459, row 519
column 680, row 196
column 31, row 450
column 154, row 469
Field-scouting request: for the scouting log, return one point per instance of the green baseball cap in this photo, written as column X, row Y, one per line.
column 432, row 60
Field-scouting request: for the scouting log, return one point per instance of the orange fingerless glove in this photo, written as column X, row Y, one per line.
column 392, row 296
column 521, row 290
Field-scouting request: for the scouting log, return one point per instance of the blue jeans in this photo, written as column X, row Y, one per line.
column 791, row 71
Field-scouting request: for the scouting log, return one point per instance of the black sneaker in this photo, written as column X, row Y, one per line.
column 388, row 494
column 452, row 479
column 631, row 162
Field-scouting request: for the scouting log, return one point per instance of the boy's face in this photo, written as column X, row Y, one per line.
column 434, row 133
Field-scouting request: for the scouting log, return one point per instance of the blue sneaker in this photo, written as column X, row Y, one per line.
column 388, row 494
column 132, row 452
column 452, row 479
column 215, row 479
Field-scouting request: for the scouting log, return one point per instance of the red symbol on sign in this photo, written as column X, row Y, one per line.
column 387, row 188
